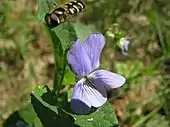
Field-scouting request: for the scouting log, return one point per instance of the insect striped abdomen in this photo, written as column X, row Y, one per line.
column 62, row 14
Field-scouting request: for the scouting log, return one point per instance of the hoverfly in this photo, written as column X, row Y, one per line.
column 61, row 14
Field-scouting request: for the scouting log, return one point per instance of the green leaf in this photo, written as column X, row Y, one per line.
column 46, row 108
column 25, row 116
column 83, row 30
column 46, row 97
column 69, row 77
column 62, row 38
column 104, row 117
column 66, row 34
column 60, row 60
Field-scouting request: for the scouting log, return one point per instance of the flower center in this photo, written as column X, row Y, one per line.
column 88, row 80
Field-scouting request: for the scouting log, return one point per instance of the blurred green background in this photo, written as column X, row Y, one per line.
column 26, row 58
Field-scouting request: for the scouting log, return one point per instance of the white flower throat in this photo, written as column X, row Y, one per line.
column 87, row 80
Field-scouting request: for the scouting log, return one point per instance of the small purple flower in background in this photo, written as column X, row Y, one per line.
column 21, row 124
column 90, row 90
column 124, row 44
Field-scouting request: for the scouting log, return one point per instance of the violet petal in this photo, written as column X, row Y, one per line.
column 87, row 94
column 93, row 46
column 126, row 43
column 78, row 60
column 108, row 79
column 80, row 102
column 97, row 93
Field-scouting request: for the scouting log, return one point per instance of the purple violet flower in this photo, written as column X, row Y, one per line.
column 124, row 44
column 90, row 90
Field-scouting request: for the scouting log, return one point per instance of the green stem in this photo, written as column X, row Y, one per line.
column 58, row 87
column 140, row 122
column 60, row 59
